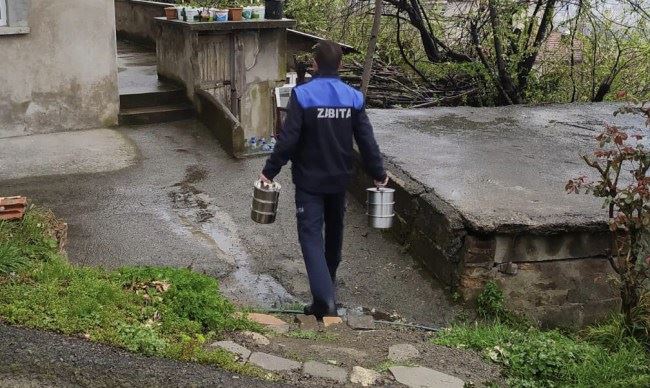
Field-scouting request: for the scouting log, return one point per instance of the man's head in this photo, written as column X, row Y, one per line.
column 327, row 57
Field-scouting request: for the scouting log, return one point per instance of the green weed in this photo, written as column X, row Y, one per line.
column 534, row 358
column 162, row 312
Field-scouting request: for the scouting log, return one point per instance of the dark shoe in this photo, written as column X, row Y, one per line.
column 320, row 312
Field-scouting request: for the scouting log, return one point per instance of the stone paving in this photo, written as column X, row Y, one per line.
column 273, row 363
column 419, row 377
column 403, row 353
column 329, row 371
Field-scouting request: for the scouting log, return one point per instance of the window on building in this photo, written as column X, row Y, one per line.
column 3, row 13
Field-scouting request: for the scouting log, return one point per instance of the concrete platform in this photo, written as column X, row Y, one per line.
column 503, row 169
column 480, row 196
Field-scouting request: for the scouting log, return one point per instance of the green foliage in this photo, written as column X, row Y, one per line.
column 155, row 311
column 603, row 50
column 25, row 240
column 534, row 358
column 490, row 301
column 490, row 306
column 142, row 339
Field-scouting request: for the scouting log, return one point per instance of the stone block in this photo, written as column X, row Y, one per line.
column 257, row 338
column 306, row 322
column 568, row 316
column 402, row 353
column 598, row 311
column 273, row 363
column 420, row 377
column 434, row 259
column 364, row 377
column 324, row 371
column 478, row 250
column 233, row 347
column 547, row 247
column 265, row 319
column 330, row 321
column 439, row 222
column 361, row 322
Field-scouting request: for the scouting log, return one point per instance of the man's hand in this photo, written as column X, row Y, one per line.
column 382, row 184
column 265, row 181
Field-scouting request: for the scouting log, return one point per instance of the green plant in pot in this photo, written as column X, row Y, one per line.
column 254, row 10
column 235, row 9
column 204, row 9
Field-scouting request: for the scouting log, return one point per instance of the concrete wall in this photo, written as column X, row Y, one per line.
column 558, row 279
column 201, row 60
column 63, row 74
column 134, row 20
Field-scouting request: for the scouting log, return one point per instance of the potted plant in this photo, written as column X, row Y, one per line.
column 171, row 13
column 257, row 9
column 220, row 15
column 235, row 10
column 203, row 9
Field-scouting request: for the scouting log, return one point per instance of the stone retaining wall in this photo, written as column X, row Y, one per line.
column 560, row 278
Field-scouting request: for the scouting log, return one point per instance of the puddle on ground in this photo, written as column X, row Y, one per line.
column 199, row 217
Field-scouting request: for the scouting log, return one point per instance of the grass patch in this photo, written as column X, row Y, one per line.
column 384, row 366
column 163, row 312
column 312, row 335
column 599, row 356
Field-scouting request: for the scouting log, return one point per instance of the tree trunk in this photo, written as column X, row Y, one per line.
column 367, row 66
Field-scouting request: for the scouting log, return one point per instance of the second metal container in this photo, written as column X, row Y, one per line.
column 380, row 207
column 265, row 202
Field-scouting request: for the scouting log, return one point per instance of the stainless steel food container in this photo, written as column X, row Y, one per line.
column 265, row 202
column 380, row 207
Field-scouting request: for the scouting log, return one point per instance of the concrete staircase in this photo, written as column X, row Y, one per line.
column 156, row 106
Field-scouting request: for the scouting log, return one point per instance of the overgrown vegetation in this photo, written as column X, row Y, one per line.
column 498, row 52
column 162, row 312
column 603, row 356
column 621, row 162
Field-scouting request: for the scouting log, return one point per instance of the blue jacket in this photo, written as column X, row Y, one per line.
column 323, row 116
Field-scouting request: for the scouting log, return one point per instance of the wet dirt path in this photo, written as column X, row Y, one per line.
column 185, row 203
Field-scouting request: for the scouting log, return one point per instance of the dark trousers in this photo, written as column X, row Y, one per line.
column 322, row 255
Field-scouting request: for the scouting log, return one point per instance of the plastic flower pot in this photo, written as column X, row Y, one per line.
column 192, row 14
column 247, row 13
column 171, row 13
column 258, row 13
column 220, row 15
column 235, row 14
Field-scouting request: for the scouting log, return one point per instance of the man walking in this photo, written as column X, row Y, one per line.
column 323, row 117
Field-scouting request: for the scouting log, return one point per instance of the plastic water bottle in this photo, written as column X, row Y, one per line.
column 265, row 147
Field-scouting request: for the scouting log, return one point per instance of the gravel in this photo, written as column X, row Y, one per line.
column 32, row 358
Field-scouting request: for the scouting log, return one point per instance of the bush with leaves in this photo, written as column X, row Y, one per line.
column 621, row 162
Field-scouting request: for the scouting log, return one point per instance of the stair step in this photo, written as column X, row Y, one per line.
column 153, row 98
column 156, row 114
